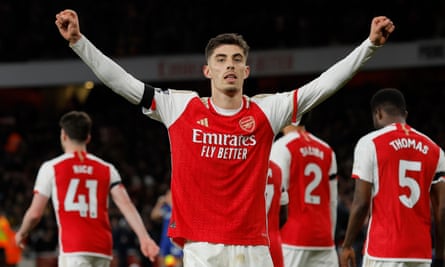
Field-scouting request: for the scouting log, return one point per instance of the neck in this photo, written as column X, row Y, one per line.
column 75, row 148
column 293, row 128
column 227, row 101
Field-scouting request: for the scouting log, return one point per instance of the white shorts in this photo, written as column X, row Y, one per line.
column 83, row 261
column 309, row 258
column 367, row 262
column 203, row 254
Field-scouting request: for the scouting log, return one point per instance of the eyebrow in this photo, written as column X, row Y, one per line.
column 225, row 55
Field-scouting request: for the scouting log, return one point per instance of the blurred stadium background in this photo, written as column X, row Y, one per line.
column 162, row 42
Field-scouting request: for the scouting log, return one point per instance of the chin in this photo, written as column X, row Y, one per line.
column 231, row 89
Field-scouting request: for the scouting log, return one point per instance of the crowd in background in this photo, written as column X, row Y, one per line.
column 137, row 27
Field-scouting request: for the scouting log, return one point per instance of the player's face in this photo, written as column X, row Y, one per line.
column 227, row 68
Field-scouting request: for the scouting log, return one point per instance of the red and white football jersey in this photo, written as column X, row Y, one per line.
column 219, row 165
column 79, row 185
column 308, row 165
column 274, row 200
column 401, row 163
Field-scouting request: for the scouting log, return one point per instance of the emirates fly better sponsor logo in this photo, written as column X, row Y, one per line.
column 223, row 146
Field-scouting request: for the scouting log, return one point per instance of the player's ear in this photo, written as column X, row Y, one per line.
column 247, row 72
column 206, row 71
column 63, row 135
column 88, row 139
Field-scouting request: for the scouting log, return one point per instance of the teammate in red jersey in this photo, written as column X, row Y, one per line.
column 79, row 184
column 398, row 171
column 220, row 145
column 276, row 205
column 309, row 172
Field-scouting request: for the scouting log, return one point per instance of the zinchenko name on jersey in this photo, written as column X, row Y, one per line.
column 401, row 143
column 223, row 146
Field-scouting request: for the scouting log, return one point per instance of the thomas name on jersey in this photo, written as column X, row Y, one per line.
column 408, row 143
column 83, row 169
column 311, row 151
column 223, row 146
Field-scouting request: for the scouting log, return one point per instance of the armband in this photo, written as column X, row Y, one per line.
column 147, row 97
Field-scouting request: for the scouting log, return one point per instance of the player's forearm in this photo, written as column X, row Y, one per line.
column 108, row 71
column 135, row 221
column 356, row 220
column 30, row 221
column 335, row 77
column 127, row 208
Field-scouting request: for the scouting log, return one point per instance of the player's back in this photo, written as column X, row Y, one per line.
column 406, row 162
column 80, row 196
column 309, row 224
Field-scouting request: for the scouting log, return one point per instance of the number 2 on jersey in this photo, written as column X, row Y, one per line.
column 309, row 197
column 81, row 205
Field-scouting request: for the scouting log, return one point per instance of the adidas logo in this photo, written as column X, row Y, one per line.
column 203, row 122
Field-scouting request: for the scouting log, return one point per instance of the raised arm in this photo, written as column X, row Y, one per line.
column 106, row 70
column 330, row 81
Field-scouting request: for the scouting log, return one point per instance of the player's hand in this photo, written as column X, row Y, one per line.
column 347, row 257
column 149, row 248
column 381, row 28
column 20, row 240
column 68, row 24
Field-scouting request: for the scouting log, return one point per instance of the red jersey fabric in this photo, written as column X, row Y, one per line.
column 310, row 164
column 219, row 166
column 273, row 202
column 401, row 163
column 79, row 185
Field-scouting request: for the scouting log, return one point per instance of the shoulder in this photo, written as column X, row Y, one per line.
column 173, row 92
column 272, row 96
column 99, row 160
column 56, row 160
column 320, row 141
column 286, row 139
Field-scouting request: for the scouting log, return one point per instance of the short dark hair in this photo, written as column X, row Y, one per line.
column 77, row 125
column 391, row 100
column 226, row 38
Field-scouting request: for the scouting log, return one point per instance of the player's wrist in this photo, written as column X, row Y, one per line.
column 346, row 247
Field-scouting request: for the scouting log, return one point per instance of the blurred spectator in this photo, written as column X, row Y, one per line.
column 10, row 253
column 170, row 255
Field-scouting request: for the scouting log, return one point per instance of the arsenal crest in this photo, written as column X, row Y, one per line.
column 247, row 124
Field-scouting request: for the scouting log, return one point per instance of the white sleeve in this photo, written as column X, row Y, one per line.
column 330, row 81
column 364, row 160
column 440, row 171
column 281, row 156
column 333, row 187
column 114, row 175
column 169, row 105
column 45, row 179
column 279, row 108
column 109, row 72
